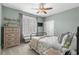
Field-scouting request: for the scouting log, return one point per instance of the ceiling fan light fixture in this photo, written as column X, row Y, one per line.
column 42, row 8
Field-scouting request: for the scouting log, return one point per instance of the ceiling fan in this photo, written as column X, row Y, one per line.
column 42, row 8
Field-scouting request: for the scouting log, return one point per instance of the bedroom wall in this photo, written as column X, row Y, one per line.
column 9, row 13
column 14, row 14
column 66, row 21
column 0, row 25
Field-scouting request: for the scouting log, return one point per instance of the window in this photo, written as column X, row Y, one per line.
column 29, row 25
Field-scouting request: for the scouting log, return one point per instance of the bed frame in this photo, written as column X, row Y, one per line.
column 77, row 34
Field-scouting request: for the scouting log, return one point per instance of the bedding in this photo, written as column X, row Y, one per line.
column 61, row 37
column 52, row 51
column 46, row 43
column 41, row 44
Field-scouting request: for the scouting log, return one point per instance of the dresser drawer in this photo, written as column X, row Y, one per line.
column 11, row 36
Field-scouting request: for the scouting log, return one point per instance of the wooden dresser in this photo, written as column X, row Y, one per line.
column 11, row 36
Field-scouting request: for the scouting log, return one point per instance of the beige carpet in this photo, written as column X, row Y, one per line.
column 23, row 49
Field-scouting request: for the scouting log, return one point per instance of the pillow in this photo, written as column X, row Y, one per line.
column 67, row 44
column 74, row 43
column 61, row 37
column 63, row 40
column 68, row 40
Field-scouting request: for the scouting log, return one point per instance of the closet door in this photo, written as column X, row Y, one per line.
column 29, row 25
column 49, row 27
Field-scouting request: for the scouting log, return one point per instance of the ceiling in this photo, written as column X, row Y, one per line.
column 28, row 7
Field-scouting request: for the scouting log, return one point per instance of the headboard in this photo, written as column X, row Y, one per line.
column 77, row 34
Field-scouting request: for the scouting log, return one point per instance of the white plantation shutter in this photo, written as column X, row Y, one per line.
column 29, row 25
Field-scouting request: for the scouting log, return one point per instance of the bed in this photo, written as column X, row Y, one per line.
column 42, row 44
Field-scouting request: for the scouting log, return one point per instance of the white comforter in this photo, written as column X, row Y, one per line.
column 41, row 44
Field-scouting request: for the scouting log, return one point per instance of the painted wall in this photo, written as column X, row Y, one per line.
column 0, row 22
column 14, row 14
column 66, row 21
column 9, row 13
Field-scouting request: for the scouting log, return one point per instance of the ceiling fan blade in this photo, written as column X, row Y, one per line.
column 45, row 12
column 47, row 8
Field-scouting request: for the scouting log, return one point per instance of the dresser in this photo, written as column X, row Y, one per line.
column 11, row 36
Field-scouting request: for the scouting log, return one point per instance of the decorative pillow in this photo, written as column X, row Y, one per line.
column 67, row 44
column 64, row 39
column 61, row 37
column 68, row 40
column 73, row 45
